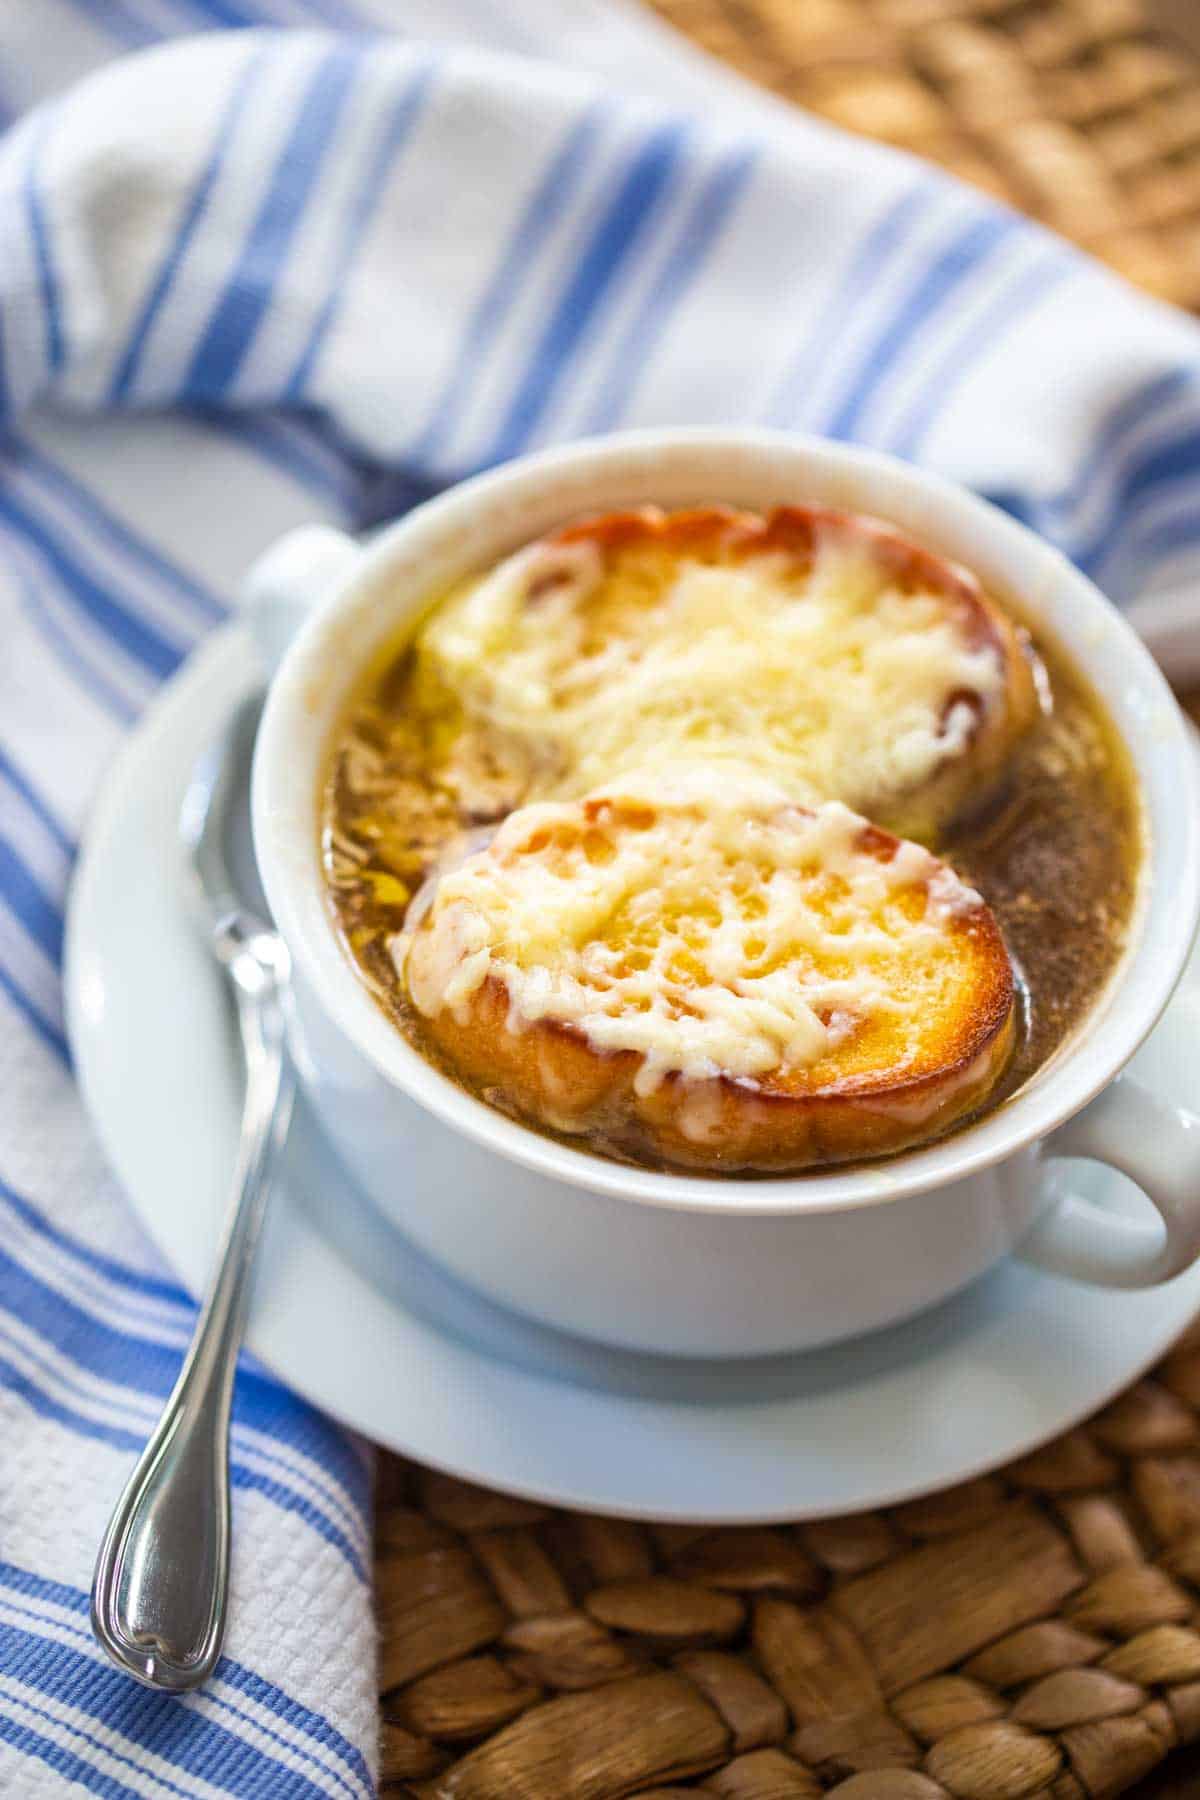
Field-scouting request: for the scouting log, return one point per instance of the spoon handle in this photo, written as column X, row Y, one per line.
column 161, row 1583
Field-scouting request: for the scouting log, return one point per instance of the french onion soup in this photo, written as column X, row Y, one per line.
column 732, row 842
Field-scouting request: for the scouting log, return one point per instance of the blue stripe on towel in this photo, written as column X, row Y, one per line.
column 1176, row 460
column 934, row 286
column 153, row 1286
column 118, row 1437
column 887, row 237
column 49, row 1032
column 295, row 453
column 213, row 1702
column 1125, row 420
column 146, row 1365
column 622, row 223
column 26, row 899
column 62, row 1378
column 701, row 229
column 120, row 20
column 140, row 641
column 1014, row 302
column 40, row 235
column 1170, row 536
column 547, row 205
column 403, row 118
column 17, row 779
column 81, row 1737
column 144, row 557
column 233, row 1674
column 65, row 1763
column 181, row 1735
column 230, row 333
column 94, row 679
column 82, row 670
column 193, row 213
column 1162, row 465
column 249, row 1682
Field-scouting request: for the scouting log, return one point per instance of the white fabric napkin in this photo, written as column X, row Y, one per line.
column 258, row 277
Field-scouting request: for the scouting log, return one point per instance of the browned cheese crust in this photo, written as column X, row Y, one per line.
column 879, row 1092
column 963, row 782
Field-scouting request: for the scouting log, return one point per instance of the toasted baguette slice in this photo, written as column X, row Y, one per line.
column 823, row 649
column 691, row 968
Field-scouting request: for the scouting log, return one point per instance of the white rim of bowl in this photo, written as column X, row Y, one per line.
column 1163, row 929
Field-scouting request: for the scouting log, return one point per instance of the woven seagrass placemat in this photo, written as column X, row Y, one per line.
column 1082, row 112
column 1031, row 1633
column 1036, row 1633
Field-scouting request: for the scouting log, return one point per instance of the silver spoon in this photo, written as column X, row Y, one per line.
column 160, row 1590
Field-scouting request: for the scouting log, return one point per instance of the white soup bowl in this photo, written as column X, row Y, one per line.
column 688, row 1263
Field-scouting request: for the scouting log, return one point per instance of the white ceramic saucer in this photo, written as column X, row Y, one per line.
column 351, row 1315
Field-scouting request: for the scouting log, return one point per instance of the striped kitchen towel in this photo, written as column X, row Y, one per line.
column 326, row 273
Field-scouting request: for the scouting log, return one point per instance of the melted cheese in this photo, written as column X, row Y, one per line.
column 828, row 678
column 695, row 917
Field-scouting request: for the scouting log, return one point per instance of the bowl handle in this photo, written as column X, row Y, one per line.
column 1157, row 1145
column 288, row 581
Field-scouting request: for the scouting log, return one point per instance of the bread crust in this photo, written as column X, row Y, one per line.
column 548, row 1073
column 963, row 782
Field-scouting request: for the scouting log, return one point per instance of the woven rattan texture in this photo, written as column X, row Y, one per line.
column 1074, row 110
column 1032, row 1633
